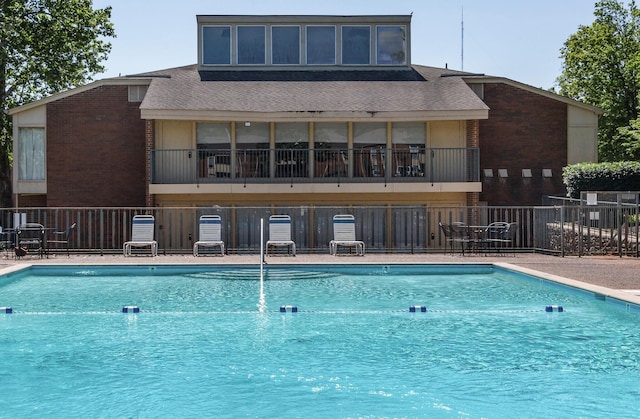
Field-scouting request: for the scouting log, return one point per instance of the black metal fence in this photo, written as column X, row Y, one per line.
column 561, row 230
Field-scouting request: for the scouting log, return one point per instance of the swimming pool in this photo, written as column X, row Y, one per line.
column 212, row 342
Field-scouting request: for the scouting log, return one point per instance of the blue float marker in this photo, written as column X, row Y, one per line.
column 284, row 309
column 422, row 309
column 130, row 309
column 551, row 309
column 7, row 310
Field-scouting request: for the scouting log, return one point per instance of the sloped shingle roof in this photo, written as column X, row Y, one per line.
column 421, row 89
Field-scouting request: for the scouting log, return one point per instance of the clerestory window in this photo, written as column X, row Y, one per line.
column 251, row 45
column 277, row 41
column 216, row 45
column 285, row 45
column 391, row 45
column 356, row 45
column 321, row 45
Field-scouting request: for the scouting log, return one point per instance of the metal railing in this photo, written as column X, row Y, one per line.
column 384, row 229
column 367, row 164
column 577, row 227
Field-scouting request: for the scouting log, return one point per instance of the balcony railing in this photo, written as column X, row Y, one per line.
column 280, row 165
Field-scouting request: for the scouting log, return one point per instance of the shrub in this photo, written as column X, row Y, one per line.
column 616, row 176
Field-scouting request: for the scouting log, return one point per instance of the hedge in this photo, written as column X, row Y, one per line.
column 615, row 176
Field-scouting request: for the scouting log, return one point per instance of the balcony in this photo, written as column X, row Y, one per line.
column 402, row 164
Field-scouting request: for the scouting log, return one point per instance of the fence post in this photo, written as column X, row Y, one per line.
column 101, row 232
column 562, row 230
column 619, row 223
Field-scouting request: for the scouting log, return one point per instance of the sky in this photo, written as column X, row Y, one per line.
column 516, row 39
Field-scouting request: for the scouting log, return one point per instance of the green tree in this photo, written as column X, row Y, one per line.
column 601, row 67
column 46, row 46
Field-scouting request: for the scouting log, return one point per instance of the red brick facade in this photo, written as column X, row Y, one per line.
column 525, row 130
column 96, row 150
column 149, row 141
column 472, row 142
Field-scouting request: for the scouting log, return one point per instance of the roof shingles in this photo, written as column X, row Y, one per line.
column 184, row 90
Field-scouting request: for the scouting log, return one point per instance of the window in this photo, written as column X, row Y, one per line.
column 285, row 45
column 370, row 133
column 251, row 45
column 252, row 133
column 408, row 133
column 136, row 93
column 213, row 133
column 356, row 45
column 391, row 45
column 478, row 89
column 31, row 154
column 216, row 45
column 294, row 134
column 278, row 41
column 330, row 133
column 321, row 45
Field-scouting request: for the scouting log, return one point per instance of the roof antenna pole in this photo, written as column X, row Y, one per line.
column 462, row 40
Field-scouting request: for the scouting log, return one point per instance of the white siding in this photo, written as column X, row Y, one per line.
column 582, row 135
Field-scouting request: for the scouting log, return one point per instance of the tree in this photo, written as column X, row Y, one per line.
column 46, row 46
column 601, row 67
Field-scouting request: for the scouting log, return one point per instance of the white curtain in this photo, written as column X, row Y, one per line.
column 31, row 154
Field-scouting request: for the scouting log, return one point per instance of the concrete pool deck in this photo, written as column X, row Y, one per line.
column 606, row 271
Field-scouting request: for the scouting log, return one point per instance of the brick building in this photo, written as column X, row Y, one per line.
column 326, row 110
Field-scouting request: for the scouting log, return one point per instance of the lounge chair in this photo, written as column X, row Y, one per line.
column 344, row 234
column 280, row 233
column 210, row 229
column 142, row 232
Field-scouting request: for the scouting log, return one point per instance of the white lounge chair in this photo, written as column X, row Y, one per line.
column 344, row 234
column 142, row 232
column 280, row 233
column 210, row 230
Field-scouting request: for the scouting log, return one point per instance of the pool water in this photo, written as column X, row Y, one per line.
column 212, row 342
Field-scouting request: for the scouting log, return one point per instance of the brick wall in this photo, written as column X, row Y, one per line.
column 24, row 201
column 524, row 131
column 149, row 142
column 96, row 150
column 473, row 138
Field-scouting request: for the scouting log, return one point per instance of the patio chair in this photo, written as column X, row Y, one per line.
column 142, row 232
column 6, row 241
column 448, row 236
column 30, row 238
column 505, row 237
column 491, row 238
column 62, row 237
column 344, row 234
column 210, row 230
column 280, row 233
column 377, row 161
column 455, row 233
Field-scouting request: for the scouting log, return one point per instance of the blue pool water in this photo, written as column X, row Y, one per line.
column 212, row 342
